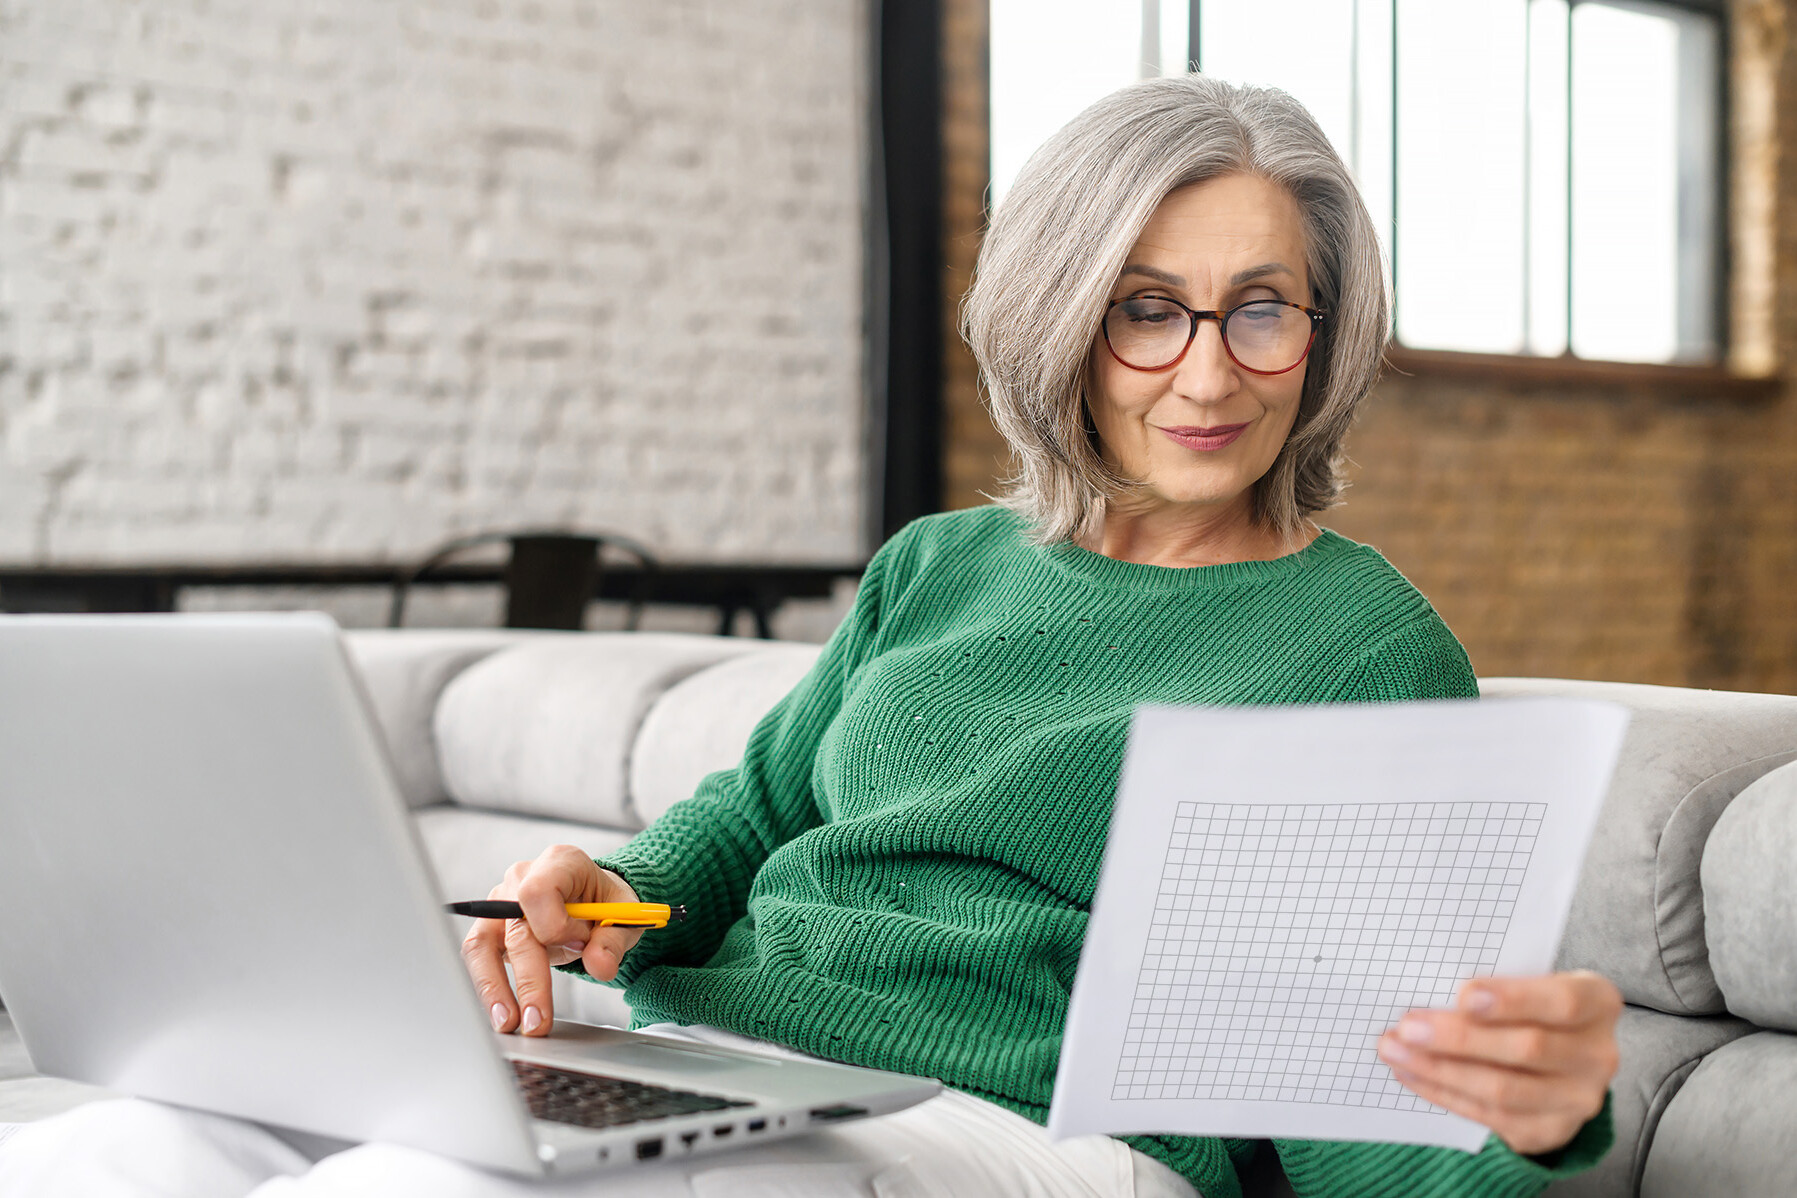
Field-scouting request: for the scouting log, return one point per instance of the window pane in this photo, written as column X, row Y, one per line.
column 1700, row 285
column 1546, row 157
column 1460, row 188
column 1643, row 161
column 1298, row 46
column 1176, row 38
column 1546, row 233
column 1049, row 59
column 1625, row 179
column 1370, row 155
column 1334, row 57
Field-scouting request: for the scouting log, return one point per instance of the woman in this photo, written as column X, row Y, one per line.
column 1175, row 313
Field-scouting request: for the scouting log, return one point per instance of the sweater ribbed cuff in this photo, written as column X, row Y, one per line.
column 1584, row 1150
column 641, row 876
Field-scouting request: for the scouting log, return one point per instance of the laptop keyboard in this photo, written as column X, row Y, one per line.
column 592, row 1100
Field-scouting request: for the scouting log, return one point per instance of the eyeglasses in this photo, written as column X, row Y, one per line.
column 1152, row 332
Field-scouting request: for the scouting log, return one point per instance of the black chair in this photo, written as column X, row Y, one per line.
column 550, row 575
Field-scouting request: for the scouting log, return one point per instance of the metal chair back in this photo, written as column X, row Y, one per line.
column 550, row 576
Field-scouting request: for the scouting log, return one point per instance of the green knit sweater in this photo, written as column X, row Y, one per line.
column 899, row 872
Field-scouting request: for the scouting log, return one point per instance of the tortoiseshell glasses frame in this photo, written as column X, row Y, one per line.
column 1260, row 306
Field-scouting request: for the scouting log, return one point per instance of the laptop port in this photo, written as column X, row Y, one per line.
column 757, row 1124
column 689, row 1138
column 721, row 1132
column 830, row 1114
column 648, row 1150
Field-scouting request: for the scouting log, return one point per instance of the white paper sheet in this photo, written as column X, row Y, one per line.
column 1282, row 884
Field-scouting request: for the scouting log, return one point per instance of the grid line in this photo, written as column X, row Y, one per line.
column 1285, row 939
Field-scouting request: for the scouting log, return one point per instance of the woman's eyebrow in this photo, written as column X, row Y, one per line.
column 1260, row 272
column 1159, row 276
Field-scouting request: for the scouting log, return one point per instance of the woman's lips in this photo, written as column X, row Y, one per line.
column 1206, row 439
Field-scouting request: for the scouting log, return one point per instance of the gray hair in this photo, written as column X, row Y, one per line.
column 1063, row 232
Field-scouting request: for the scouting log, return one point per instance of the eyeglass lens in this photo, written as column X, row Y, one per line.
column 1149, row 333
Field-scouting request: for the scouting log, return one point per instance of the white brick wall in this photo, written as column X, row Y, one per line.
column 338, row 279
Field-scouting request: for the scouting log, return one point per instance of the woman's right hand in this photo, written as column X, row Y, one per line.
column 546, row 936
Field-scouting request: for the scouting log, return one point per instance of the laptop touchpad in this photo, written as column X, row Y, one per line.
column 671, row 1059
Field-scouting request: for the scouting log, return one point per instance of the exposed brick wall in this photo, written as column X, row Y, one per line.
column 1602, row 531
column 341, row 278
column 973, row 452
column 1619, row 532
column 1583, row 531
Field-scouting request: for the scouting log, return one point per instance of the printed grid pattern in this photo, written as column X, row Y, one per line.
column 1286, row 939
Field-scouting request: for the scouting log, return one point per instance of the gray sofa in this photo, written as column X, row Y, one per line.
column 505, row 743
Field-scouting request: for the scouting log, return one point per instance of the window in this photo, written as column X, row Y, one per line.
column 1547, row 173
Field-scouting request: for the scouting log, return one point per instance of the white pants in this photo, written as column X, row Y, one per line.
column 954, row 1144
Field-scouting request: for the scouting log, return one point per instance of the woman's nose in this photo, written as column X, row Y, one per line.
column 1206, row 373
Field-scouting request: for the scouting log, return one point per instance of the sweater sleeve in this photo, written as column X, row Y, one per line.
column 704, row 851
column 1420, row 659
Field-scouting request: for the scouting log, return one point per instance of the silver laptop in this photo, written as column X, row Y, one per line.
column 211, row 894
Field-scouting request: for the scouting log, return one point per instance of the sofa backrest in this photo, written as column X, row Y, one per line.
column 609, row 729
column 404, row 673
column 549, row 728
column 1638, row 914
column 1750, row 900
column 702, row 723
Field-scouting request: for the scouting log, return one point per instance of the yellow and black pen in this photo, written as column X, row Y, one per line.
column 617, row 915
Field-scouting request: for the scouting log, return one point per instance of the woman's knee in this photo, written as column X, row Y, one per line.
column 131, row 1147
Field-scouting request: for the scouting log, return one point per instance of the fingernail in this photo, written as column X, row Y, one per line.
column 576, row 946
column 1390, row 1050
column 498, row 1013
column 532, row 1017
column 1480, row 1000
column 1415, row 1031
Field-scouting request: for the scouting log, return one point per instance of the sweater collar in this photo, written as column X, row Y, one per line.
column 1113, row 574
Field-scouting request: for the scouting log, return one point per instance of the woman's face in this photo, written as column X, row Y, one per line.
column 1200, row 433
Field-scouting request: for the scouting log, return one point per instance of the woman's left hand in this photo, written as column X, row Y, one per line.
column 1530, row 1058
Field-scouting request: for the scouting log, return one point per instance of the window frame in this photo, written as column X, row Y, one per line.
column 1568, row 366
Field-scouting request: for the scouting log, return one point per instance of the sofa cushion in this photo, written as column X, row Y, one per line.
column 1638, row 914
column 703, row 723
column 1659, row 1052
column 403, row 674
column 1749, row 896
column 1730, row 1128
column 470, row 850
column 547, row 728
